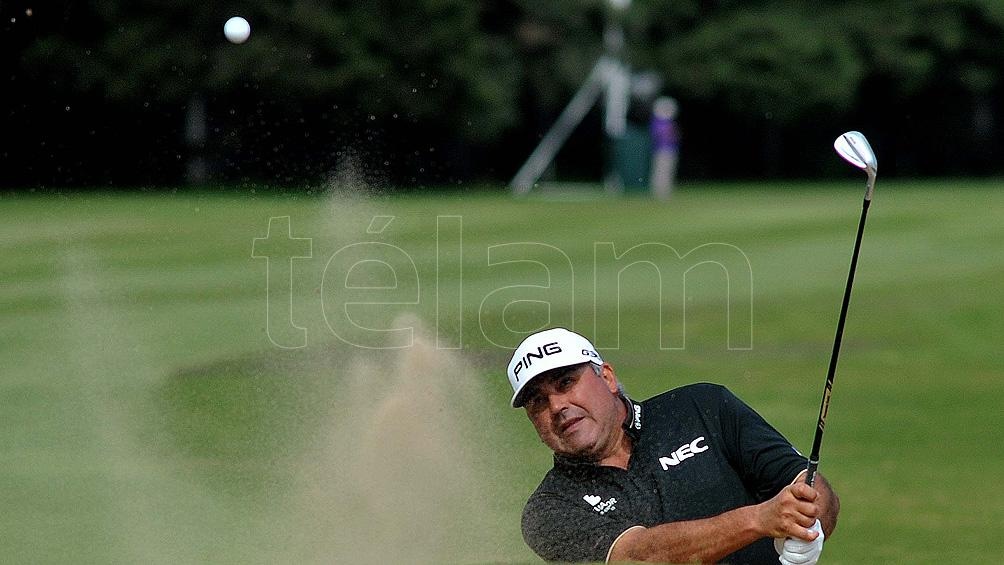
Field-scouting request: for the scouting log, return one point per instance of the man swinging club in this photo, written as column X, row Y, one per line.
column 693, row 474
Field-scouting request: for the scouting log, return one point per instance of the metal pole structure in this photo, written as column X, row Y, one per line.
column 609, row 76
column 570, row 117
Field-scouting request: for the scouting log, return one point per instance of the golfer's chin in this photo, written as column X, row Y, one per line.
column 578, row 444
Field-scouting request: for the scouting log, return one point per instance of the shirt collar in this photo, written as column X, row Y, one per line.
column 632, row 422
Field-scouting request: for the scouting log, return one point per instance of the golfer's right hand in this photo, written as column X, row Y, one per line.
column 790, row 514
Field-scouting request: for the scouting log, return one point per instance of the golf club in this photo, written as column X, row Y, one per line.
column 854, row 148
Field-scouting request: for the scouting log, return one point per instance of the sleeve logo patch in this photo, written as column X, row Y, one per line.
column 601, row 507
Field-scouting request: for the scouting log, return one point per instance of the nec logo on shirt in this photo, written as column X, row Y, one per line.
column 685, row 451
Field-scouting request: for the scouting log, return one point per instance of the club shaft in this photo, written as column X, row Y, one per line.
column 824, row 405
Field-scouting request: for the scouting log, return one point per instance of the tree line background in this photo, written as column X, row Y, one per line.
column 433, row 93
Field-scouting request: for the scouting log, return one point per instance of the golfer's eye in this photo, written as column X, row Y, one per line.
column 533, row 403
column 566, row 383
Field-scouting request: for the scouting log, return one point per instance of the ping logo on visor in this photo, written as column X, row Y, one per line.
column 529, row 356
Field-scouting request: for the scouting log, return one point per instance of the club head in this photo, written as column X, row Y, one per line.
column 855, row 149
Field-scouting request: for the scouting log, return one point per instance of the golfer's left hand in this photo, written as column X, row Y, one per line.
column 800, row 552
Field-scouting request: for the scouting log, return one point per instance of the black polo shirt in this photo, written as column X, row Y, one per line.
column 698, row 451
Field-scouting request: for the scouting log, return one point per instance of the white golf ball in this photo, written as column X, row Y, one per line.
column 237, row 30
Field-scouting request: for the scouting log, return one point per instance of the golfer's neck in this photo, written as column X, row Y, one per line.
column 621, row 454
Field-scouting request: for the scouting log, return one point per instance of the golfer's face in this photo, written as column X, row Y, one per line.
column 576, row 414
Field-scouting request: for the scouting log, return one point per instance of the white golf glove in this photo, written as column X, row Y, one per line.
column 794, row 551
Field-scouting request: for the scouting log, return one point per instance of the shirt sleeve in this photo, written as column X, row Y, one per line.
column 557, row 529
column 766, row 461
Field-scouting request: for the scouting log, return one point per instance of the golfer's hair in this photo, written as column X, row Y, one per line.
column 598, row 369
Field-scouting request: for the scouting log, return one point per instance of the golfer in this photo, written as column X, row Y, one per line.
column 693, row 474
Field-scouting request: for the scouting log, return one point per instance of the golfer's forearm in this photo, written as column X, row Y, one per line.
column 706, row 541
column 829, row 505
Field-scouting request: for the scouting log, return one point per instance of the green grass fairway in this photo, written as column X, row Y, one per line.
column 148, row 413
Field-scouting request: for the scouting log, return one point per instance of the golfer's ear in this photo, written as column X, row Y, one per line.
column 608, row 375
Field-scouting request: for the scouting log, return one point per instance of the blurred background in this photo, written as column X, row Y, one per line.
column 438, row 93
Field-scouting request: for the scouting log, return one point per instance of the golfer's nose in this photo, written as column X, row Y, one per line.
column 556, row 402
